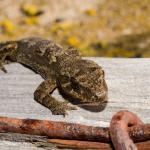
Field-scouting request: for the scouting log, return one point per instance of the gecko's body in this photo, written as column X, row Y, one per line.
column 63, row 69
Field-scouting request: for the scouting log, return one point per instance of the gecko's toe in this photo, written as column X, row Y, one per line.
column 62, row 109
column 72, row 108
column 60, row 112
column 3, row 68
column 69, row 106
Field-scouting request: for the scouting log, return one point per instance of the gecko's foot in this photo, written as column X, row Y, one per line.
column 3, row 68
column 62, row 109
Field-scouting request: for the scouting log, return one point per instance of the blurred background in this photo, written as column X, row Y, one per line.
column 106, row 28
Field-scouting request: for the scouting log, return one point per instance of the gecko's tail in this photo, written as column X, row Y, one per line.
column 7, row 46
column 7, row 50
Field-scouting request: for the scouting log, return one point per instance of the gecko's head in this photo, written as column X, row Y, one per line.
column 89, row 82
column 86, row 82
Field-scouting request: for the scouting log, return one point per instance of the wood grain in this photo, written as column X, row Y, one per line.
column 129, row 88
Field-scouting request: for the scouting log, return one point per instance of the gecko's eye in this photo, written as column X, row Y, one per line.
column 39, row 52
column 64, row 79
column 74, row 84
column 92, row 69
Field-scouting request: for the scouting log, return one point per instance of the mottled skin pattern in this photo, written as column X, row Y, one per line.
column 63, row 69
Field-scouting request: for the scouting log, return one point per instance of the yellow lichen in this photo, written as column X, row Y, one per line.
column 73, row 41
column 31, row 20
column 90, row 12
column 86, row 50
column 7, row 26
column 119, row 53
column 66, row 25
column 92, row 31
column 30, row 9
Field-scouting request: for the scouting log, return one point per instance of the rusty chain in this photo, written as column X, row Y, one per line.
column 125, row 127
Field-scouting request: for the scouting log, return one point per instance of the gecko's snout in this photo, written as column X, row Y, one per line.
column 100, row 97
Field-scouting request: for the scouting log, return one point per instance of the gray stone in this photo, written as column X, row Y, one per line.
column 129, row 88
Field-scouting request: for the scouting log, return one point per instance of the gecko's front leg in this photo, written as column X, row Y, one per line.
column 43, row 96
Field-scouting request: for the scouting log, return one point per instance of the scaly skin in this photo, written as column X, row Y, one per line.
column 63, row 69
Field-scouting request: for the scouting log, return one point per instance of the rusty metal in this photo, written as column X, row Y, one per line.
column 44, row 142
column 53, row 129
column 119, row 125
column 79, row 144
column 74, row 144
column 62, row 130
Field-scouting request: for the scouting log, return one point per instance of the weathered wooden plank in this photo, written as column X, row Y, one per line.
column 129, row 88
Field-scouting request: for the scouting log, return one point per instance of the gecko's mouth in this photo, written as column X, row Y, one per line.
column 93, row 106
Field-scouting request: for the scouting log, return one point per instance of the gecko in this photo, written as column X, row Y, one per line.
column 61, row 68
